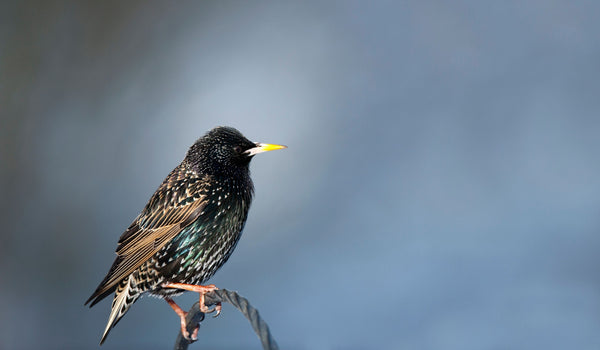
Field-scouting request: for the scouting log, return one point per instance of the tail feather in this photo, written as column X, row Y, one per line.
column 126, row 294
column 104, row 289
column 95, row 298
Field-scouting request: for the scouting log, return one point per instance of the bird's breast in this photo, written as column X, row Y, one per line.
column 202, row 247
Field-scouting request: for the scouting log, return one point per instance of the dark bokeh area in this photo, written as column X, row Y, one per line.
column 441, row 188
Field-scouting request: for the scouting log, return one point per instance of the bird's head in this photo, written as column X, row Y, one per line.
column 225, row 151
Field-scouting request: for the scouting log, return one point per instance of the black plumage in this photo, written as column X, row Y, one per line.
column 189, row 227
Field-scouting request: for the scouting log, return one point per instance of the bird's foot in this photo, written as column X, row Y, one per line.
column 182, row 315
column 202, row 290
column 217, row 308
column 186, row 334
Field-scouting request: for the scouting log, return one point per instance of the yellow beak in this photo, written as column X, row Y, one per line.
column 263, row 147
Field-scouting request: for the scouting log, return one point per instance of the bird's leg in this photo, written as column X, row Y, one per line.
column 200, row 290
column 182, row 314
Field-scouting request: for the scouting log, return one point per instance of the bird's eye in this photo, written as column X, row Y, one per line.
column 237, row 149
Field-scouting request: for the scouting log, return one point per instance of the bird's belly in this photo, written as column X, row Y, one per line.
column 194, row 255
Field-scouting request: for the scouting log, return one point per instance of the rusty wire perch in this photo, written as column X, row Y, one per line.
column 195, row 316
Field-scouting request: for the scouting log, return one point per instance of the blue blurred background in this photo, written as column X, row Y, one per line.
column 441, row 189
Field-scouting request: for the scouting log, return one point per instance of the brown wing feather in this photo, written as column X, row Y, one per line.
column 177, row 203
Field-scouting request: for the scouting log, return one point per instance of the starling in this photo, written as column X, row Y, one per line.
column 188, row 229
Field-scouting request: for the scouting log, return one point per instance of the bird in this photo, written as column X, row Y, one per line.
column 187, row 230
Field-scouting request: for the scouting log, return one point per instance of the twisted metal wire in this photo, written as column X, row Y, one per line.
column 195, row 316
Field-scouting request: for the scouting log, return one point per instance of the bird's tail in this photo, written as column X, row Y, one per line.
column 125, row 295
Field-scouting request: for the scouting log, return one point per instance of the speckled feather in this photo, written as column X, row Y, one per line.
column 189, row 227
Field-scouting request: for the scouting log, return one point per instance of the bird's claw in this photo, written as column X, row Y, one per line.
column 194, row 335
column 205, row 309
column 218, row 310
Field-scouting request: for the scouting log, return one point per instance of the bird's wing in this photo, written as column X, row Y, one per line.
column 178, row 202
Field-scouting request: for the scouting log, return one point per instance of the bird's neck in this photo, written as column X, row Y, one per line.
column 239, row 186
